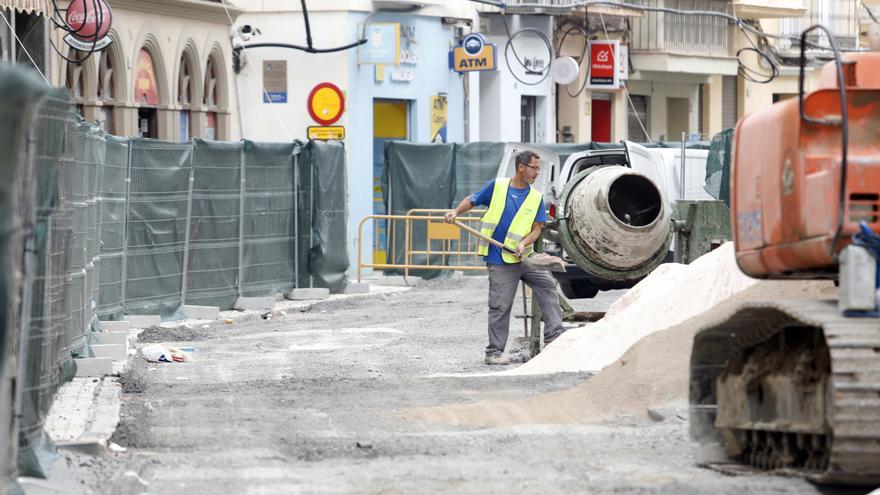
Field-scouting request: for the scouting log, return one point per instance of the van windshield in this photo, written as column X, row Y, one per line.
column 591, row 161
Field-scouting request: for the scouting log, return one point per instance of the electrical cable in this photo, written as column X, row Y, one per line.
column 309, row 48
column 580, row 59
column 546, row 71
column 626, row 90
column 257, row 78
column 870, row 13
column 843, row 122
column 99, row 17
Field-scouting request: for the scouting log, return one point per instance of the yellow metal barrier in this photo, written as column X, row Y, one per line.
column 453, row 243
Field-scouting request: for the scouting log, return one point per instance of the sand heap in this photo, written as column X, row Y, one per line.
column 669, row 295
column 652, row 373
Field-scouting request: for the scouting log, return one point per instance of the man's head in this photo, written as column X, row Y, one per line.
column 528, row 166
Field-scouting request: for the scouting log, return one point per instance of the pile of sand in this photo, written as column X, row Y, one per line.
column 668, row 296
column 653, row 372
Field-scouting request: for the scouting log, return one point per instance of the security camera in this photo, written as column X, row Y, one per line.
column 246, row 32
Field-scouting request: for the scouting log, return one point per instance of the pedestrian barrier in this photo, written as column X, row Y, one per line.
column 96, row 226
column 444, row 246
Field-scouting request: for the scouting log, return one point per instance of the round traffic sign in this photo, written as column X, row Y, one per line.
column 326, row 103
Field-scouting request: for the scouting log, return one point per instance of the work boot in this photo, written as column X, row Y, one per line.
column 499, row 359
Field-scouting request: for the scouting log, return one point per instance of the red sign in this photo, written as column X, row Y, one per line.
column 603, row 66
column 146, row 91
column 326, row 103
column 87, row 17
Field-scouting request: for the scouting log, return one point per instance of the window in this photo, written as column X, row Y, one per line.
column 728, row 102
column 106, row 90
column 210, row 101
column 527, row 119
column 74, row 78
column 637, row 127
column 184, row 97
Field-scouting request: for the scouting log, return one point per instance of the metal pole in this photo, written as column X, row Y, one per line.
column 296, row 220
column 241, row 202
column 186, row 239
column 125, row 225
column 683, row 152
column 311, row 212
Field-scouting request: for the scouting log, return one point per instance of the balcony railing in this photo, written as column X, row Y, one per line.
column 841, row 17
column 693, row 35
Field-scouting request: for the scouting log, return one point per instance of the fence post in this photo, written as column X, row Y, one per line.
column 296, row 219
column 125, row 226
column 683, row 162
column 241, row 203
column 311, row 213
column 189, row 202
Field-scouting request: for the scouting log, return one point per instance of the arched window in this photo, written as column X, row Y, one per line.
column 74, row 79
column 184, row 97
column 146, row 94
column 107, row 90
column 210, row 100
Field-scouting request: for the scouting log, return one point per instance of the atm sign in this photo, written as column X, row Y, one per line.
column 474, row 54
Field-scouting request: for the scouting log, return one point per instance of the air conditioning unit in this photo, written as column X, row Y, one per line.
column 404, row 4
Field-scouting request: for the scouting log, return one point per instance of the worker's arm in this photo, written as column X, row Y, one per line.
column 528, row 240
column 463, row 207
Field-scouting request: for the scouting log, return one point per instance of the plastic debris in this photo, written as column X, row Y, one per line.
column 114, row 447
column 156, row 353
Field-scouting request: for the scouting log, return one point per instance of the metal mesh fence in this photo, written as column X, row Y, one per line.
column 97, row 226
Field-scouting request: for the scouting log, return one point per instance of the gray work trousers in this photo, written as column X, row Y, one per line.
column 503, row 282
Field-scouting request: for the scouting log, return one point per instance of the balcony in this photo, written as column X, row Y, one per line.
column 841, row 17
column 700, row 36
column 767, row 9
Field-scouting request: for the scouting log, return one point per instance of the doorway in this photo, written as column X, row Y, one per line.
column 391, row 122
column 600, row 118
column 147, row 123
column 677, row 118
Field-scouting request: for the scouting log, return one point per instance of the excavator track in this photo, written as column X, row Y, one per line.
column 791, row 386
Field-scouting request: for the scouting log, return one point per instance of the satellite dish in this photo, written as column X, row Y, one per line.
column 564, row 70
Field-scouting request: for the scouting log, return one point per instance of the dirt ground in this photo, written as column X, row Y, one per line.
column 327, row 401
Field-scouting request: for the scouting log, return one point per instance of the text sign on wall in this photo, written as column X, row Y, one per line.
column 603, row 64
column 382, row 46
column 474, row 54
column 274, row 81
column 439, row 111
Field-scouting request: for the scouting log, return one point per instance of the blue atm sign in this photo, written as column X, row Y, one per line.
column 474, row 54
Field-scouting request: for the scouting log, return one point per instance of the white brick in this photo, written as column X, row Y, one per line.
column 255, row 303
column 201, row 312
column 116, row 352
column 357, row 288
column 144, row 321
column 118, row 338
column 115, row 326
column 94, row 366
column 308, row 293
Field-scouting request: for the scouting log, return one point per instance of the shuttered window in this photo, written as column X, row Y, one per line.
column 634, row 130
column 728, row 101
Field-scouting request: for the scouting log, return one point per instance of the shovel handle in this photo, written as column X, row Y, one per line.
column 481, row 236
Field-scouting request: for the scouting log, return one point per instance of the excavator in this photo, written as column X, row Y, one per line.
column 793, row 386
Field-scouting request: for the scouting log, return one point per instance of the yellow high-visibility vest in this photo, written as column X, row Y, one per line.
column 519, row 227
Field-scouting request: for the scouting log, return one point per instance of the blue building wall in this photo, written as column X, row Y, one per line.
column 431, row 76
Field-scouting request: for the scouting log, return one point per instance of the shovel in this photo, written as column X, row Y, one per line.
column 540, row 261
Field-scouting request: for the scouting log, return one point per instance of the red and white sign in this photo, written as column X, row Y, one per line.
column 89, row 22
column 603, row 64
column 326, row 103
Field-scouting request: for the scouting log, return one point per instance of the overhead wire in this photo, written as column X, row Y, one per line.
column 580, row 60
column 545, row 73
column 626, row 90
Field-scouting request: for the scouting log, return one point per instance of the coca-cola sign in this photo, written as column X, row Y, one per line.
column 88, row 22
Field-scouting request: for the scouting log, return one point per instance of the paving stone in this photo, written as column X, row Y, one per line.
column 304, row 294
column 117, row 352
column 255, row 303
column 98, row 366
column 144, row 321
column 115, row 326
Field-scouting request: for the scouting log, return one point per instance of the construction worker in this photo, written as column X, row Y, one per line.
column 515, row 217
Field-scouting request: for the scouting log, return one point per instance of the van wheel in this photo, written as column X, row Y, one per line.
column 578, row 289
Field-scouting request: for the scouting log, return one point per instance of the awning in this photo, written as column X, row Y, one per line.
column 38, row 6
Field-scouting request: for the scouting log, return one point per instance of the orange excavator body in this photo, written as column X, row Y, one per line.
column 787, row 175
